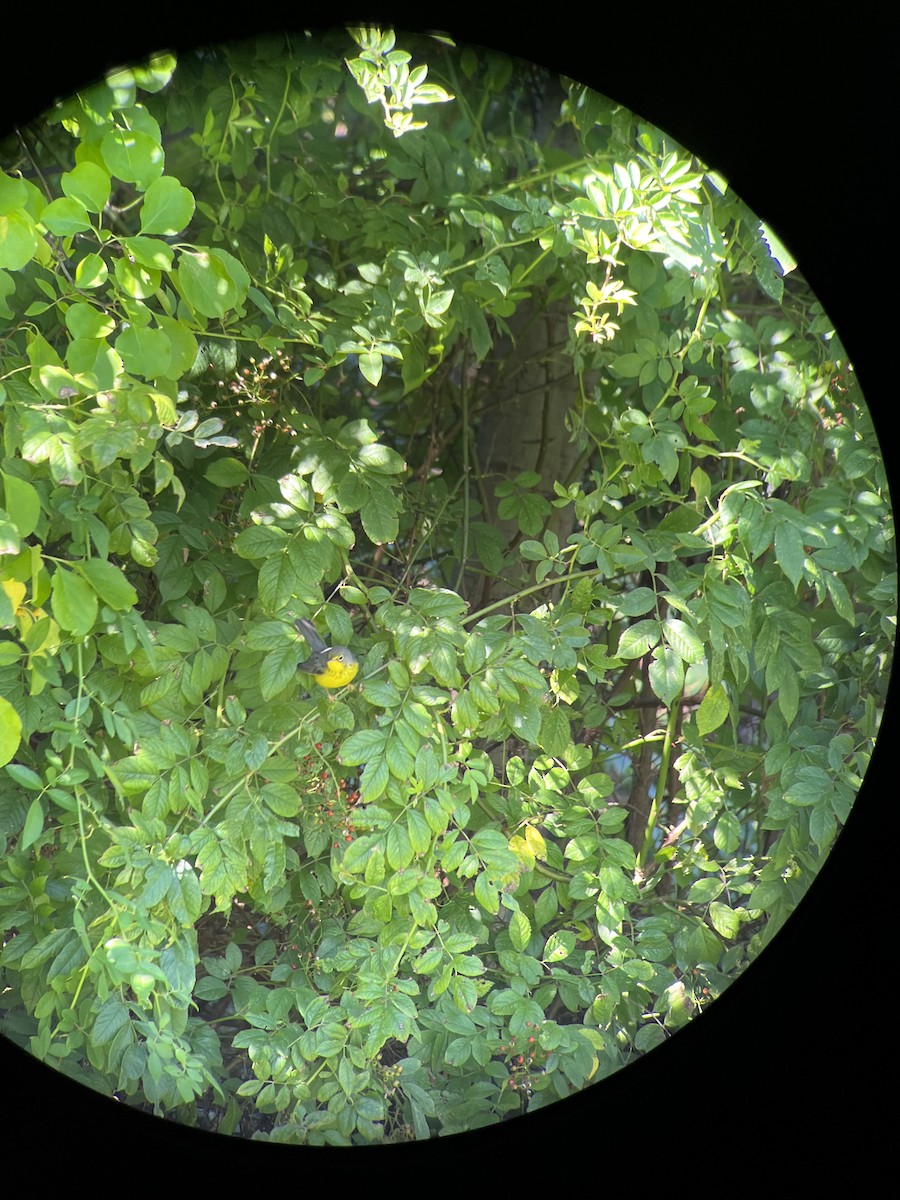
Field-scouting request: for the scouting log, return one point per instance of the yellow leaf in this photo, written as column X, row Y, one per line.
column 522, row 851
column 536, row 843
column 16, row 592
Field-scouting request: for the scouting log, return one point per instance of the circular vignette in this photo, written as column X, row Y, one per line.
column 806, row 941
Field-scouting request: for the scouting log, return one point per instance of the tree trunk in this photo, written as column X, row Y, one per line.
column 526, row 428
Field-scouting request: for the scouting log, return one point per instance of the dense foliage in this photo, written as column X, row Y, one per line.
column 260, row 306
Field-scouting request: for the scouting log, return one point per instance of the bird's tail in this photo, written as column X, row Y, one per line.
column 309, row 632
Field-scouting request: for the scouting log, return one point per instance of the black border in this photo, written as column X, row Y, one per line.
column 782, row 1079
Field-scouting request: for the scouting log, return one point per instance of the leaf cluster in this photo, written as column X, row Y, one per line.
column 535, row 836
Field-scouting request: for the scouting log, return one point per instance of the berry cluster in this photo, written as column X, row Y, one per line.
column 257, row 390
column 838, row 407
column 338, row 798
column 521, row 1063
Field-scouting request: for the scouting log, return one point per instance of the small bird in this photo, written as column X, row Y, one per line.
column 330, row 666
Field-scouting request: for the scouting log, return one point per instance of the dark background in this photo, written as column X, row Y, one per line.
column 789, row 1075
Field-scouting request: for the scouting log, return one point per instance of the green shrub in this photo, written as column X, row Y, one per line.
column 608, row 723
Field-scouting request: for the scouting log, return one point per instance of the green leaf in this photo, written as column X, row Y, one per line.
column 379, row 514
column 48, row 947
column 135, row 280
column 34, row 824
column 91, row 271
column 696, row 944
column 112, row 1017
column 648, row 1037
column 150, row 252
column 524, row 718
column 13, row 193
column 419, row 832
column 359, row 854
column 212, row 281
column 429, row 961
column 724, row 919
column 226, row 472
column 258, row 542
column 87, row 184
column 404, row 881
column 168, row 207
column 223, row 867
column 132, row 156
column 63, row 217
column 362, row 746
column 437, row 817
column 683, row 640
column 779, row 251
column 629, row 365
column 153, row 76
column 9, row 542
column 24, row 776
column 546, row 906
column 18, row 240
column 399, row 760
column 559, row 946
column 638, row 639
column 69, row 959
column 464, row 993
column 375, row 779
column 282, row 798
column 74, row 602
column 22, row 503
column 519, row 930
column 278, row 669
column 468, row 964
column 108, row 582
column 487, row 894
column 666, row 673
column 399, row 848
column 714, row 709
column 85, row 322
column 96, row 361
column 618, row 851
column 279, row 581
column 811, row 785
column 705, row 890
column 182, row 354
column 840, row 597
column 371, row 364
column 379, row 458
column 633, row 603
column 822, row 825
column 492, row 848
column 376, row 867
column 555, row 733
column 789, row 695
column 789, row 551
column 727, row 833
column 185, row 896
